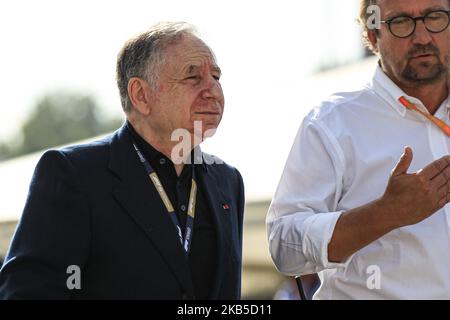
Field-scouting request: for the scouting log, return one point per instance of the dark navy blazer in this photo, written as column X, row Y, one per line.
column 93, row 206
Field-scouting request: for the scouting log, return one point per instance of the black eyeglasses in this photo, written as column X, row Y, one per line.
column 404, row 26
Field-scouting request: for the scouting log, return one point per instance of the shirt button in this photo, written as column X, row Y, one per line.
column 162, row 161
column 183, row 207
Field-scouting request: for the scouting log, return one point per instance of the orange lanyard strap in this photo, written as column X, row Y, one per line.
column 438, row 122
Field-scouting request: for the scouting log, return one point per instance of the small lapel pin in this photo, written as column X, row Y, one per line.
column 226, row 206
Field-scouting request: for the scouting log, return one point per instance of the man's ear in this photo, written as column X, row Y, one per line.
column 140, row 93
column 372, row 36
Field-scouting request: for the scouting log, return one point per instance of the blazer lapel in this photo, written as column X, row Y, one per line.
column 209, row 184
column 141, row 201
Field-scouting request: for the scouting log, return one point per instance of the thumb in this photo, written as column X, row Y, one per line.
column 404, row 162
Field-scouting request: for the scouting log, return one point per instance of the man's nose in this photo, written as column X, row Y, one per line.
column 212, row 89
column 421, row 34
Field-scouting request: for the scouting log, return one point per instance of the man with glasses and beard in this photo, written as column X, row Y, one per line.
column 363, row 199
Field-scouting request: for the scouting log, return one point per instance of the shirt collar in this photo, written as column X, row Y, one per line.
column 390, row 92
column 152, row 155
column 443, row 112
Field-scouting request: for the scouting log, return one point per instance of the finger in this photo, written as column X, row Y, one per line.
column 445, row 199
column 446, row 173
column 403, row 164
column 439, row 181
column 444, row 195
column 442, row 191
column 443, row 202
column 448, row 191
column 434, row 168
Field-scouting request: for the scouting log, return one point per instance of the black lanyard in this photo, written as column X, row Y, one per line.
column 187, row 240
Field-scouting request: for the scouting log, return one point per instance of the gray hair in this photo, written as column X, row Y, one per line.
column 143, row 55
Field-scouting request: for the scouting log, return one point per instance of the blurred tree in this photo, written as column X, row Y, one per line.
column 59, row 118
column 4, row 151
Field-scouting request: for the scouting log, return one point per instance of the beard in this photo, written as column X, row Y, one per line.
column 425, row 72
column 435, row 72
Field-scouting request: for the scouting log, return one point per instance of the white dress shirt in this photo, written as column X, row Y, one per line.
column 341, row 159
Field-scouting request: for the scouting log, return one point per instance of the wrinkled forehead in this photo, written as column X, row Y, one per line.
column 409, row 7
column 191, row 51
